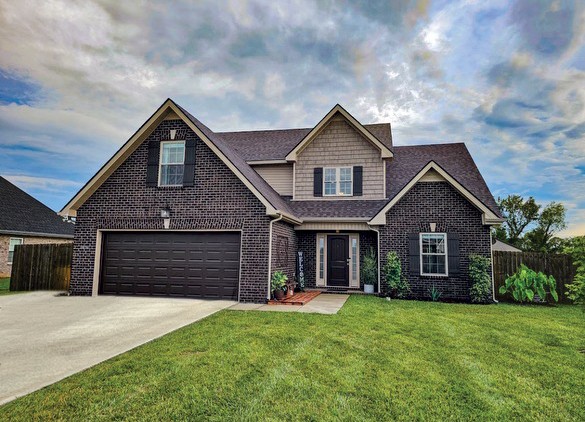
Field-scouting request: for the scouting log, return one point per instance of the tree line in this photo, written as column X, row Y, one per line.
column 531, row 226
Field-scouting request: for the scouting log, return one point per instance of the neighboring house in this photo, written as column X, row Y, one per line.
column 181, row 210
column 500, row 245
column 24, row 220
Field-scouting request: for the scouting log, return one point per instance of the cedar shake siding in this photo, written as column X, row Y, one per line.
column 339, row 145
column 284, row 249
column 217, row 201
column 440, row 203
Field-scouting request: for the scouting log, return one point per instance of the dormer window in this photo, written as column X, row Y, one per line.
column 338, row 181
column 172, row 163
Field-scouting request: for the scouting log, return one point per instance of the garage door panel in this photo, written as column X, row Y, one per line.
column 177, row 264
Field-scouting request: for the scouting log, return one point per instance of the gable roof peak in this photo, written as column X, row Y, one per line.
column 384, row 150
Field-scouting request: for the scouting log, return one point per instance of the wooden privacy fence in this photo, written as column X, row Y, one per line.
column 41, row 267
column 560, row 266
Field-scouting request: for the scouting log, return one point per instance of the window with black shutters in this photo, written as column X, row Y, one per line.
column 172, row 163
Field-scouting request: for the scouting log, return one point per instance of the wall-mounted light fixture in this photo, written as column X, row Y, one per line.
column 165, row 214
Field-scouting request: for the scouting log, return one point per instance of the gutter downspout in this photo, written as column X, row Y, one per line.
column 280, row 216
column 379, row 275
column 492, row 265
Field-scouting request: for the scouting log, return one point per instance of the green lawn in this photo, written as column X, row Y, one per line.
column 375, row 360
column 4, row 286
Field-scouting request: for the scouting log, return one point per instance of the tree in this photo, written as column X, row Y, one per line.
column 519, row 213
column 550, row 221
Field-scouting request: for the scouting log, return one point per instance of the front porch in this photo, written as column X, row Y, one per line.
column 333, row 259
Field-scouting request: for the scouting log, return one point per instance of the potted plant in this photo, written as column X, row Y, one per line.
column 277, row 283
column 369, row 271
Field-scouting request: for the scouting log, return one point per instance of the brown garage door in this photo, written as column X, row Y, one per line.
column 177, row 264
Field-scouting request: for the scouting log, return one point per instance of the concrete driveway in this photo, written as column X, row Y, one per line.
column 45, row 337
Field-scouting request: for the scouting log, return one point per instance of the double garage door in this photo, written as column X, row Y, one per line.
column 175, row 264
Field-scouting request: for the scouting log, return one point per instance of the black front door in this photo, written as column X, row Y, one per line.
column 337, row 260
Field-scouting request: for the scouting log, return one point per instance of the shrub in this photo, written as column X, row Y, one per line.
column 435, row 293
column 576, row 290
column 278, row 280
column 481, row 281
column 527, row 283
column 396, row 284
column 369, row 270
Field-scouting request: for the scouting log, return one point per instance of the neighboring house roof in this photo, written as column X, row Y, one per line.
column 21, row 214
column 500, row 245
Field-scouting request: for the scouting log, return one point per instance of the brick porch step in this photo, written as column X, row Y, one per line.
column 300, row 298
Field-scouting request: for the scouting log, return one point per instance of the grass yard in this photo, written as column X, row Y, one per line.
column 375, row 360
column 4, row 286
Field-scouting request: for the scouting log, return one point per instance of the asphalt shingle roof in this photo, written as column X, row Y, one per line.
column 240, row 147
column 262, row 145
column 453, row 158
column 277, row 201
column 21, row 213
column 350, row 208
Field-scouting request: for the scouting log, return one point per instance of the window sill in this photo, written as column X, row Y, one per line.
column 435, row 275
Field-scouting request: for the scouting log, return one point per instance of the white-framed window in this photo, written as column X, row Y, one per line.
column 172, row 163
column 321, row 258
column 13, row 242
column 354, row 256
column 433, row 254
column 338, row 181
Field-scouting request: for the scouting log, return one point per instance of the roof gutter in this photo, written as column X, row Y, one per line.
column 285, row 216
column 22, row 233
column 280, row 217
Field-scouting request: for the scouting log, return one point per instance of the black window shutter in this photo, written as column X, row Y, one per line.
column 453, row 253
column 414, row 254
column 189, row 169
column 152, row 164
column 318, row 181
column 357, row 180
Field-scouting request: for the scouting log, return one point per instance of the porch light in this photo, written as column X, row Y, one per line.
column 165, row 214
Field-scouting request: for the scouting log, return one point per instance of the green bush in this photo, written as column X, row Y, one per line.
column 369, row 270
column 278, row 280
column 576, row 290
column 481, row 280
column 396, row 284
column 527, row 283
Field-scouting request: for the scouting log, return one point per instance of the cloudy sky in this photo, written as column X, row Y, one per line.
column 77, row 78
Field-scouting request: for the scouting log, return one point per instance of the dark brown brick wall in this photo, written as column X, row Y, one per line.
column 367, row 240
column 219, row 200
column 436, row 202
column 307, row 242
column 284, row 249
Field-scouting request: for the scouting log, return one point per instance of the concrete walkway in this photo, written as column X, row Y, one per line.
column 325, row 303
column 45, row 338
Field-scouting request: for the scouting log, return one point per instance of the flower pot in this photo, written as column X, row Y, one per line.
column 279, row 294
column 368, row 288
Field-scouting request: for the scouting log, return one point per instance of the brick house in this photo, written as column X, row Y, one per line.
column 183, row 211
column 24, row 221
